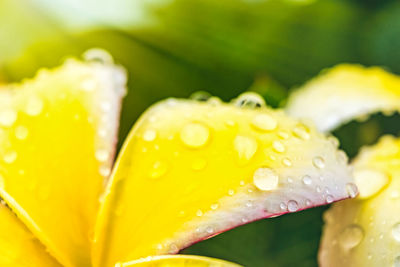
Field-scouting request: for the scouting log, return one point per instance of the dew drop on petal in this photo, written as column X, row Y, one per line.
column 101, row 155
column 149, row 135
column 249, row 100
column 214, row 206
column 159, row 168
column 283, row 206
column 301, row 132
column 231, row 192
column 264, row 122
column 352, row 190
column 7, row 117
column 10, row 157
column 329, row 199
column 199, row 213
column 21, row 132
column 194, row 135
column 209, row 230
column 34, row 106
column 265, row 179
column 307, row 180
column 278, row 147
column 245, row 147
column 104, row 171
column 287, row 162
column 351, row 237
column 396, row 232
column 292, row 206
column 319, row 162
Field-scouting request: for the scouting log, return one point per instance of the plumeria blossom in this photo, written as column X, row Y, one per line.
column 364, row 231
column 188, row 170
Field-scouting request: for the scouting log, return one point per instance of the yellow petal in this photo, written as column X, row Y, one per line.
column 190, row 170
column 57, row 137
column 18, row 247
column 344, row 93
column 178, row 261
column 366, row 231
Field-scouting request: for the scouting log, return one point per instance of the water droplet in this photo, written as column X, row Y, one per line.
column 301, row 132
column 149, row 135
column 104, row 171
column 265, row 179
column 351, row 237
column 292, row 206
column 249, row 204
column 101, row 155
column 21, row 132
column 352, row 190
column 231, row 192
column 7, row 117
column 199, row 164
column 34, row 106
column 201, row 96
column 287, row 162
column 283, row 206
column 210, row 230
column 158, row 170
column 307, row 180
column 105, row 106
column 396, row 232
column 395, row 194
column 278, row 147
column 214, row 206
column 318, row 188
column 283, row 135
column 244, row 220
column 319, row 162
column 98, row 55
column 264, row 122
column 199, row 213
column 369, row 182
column 329, row 199
column 246, row 147
column 230, row 123
column 290, row 180
column 194, row 135
column 334, row 141
column 249, row 100
column 10, row 157
column 308, row 202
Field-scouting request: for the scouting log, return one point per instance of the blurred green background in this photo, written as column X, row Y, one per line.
column 225, row 47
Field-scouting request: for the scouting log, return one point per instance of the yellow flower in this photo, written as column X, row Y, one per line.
column 188, row 170
column 364, row 231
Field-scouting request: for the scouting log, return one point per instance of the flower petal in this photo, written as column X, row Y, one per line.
column 57, row 139
column 18, row 247
column 190, row 170
column 366, row 231
column 178, row 261
column 344, row 93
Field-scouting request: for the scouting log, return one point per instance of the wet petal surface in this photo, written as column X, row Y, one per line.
column 344, row 93
column 365, row 231
column 190, row 170
column 57, row 139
